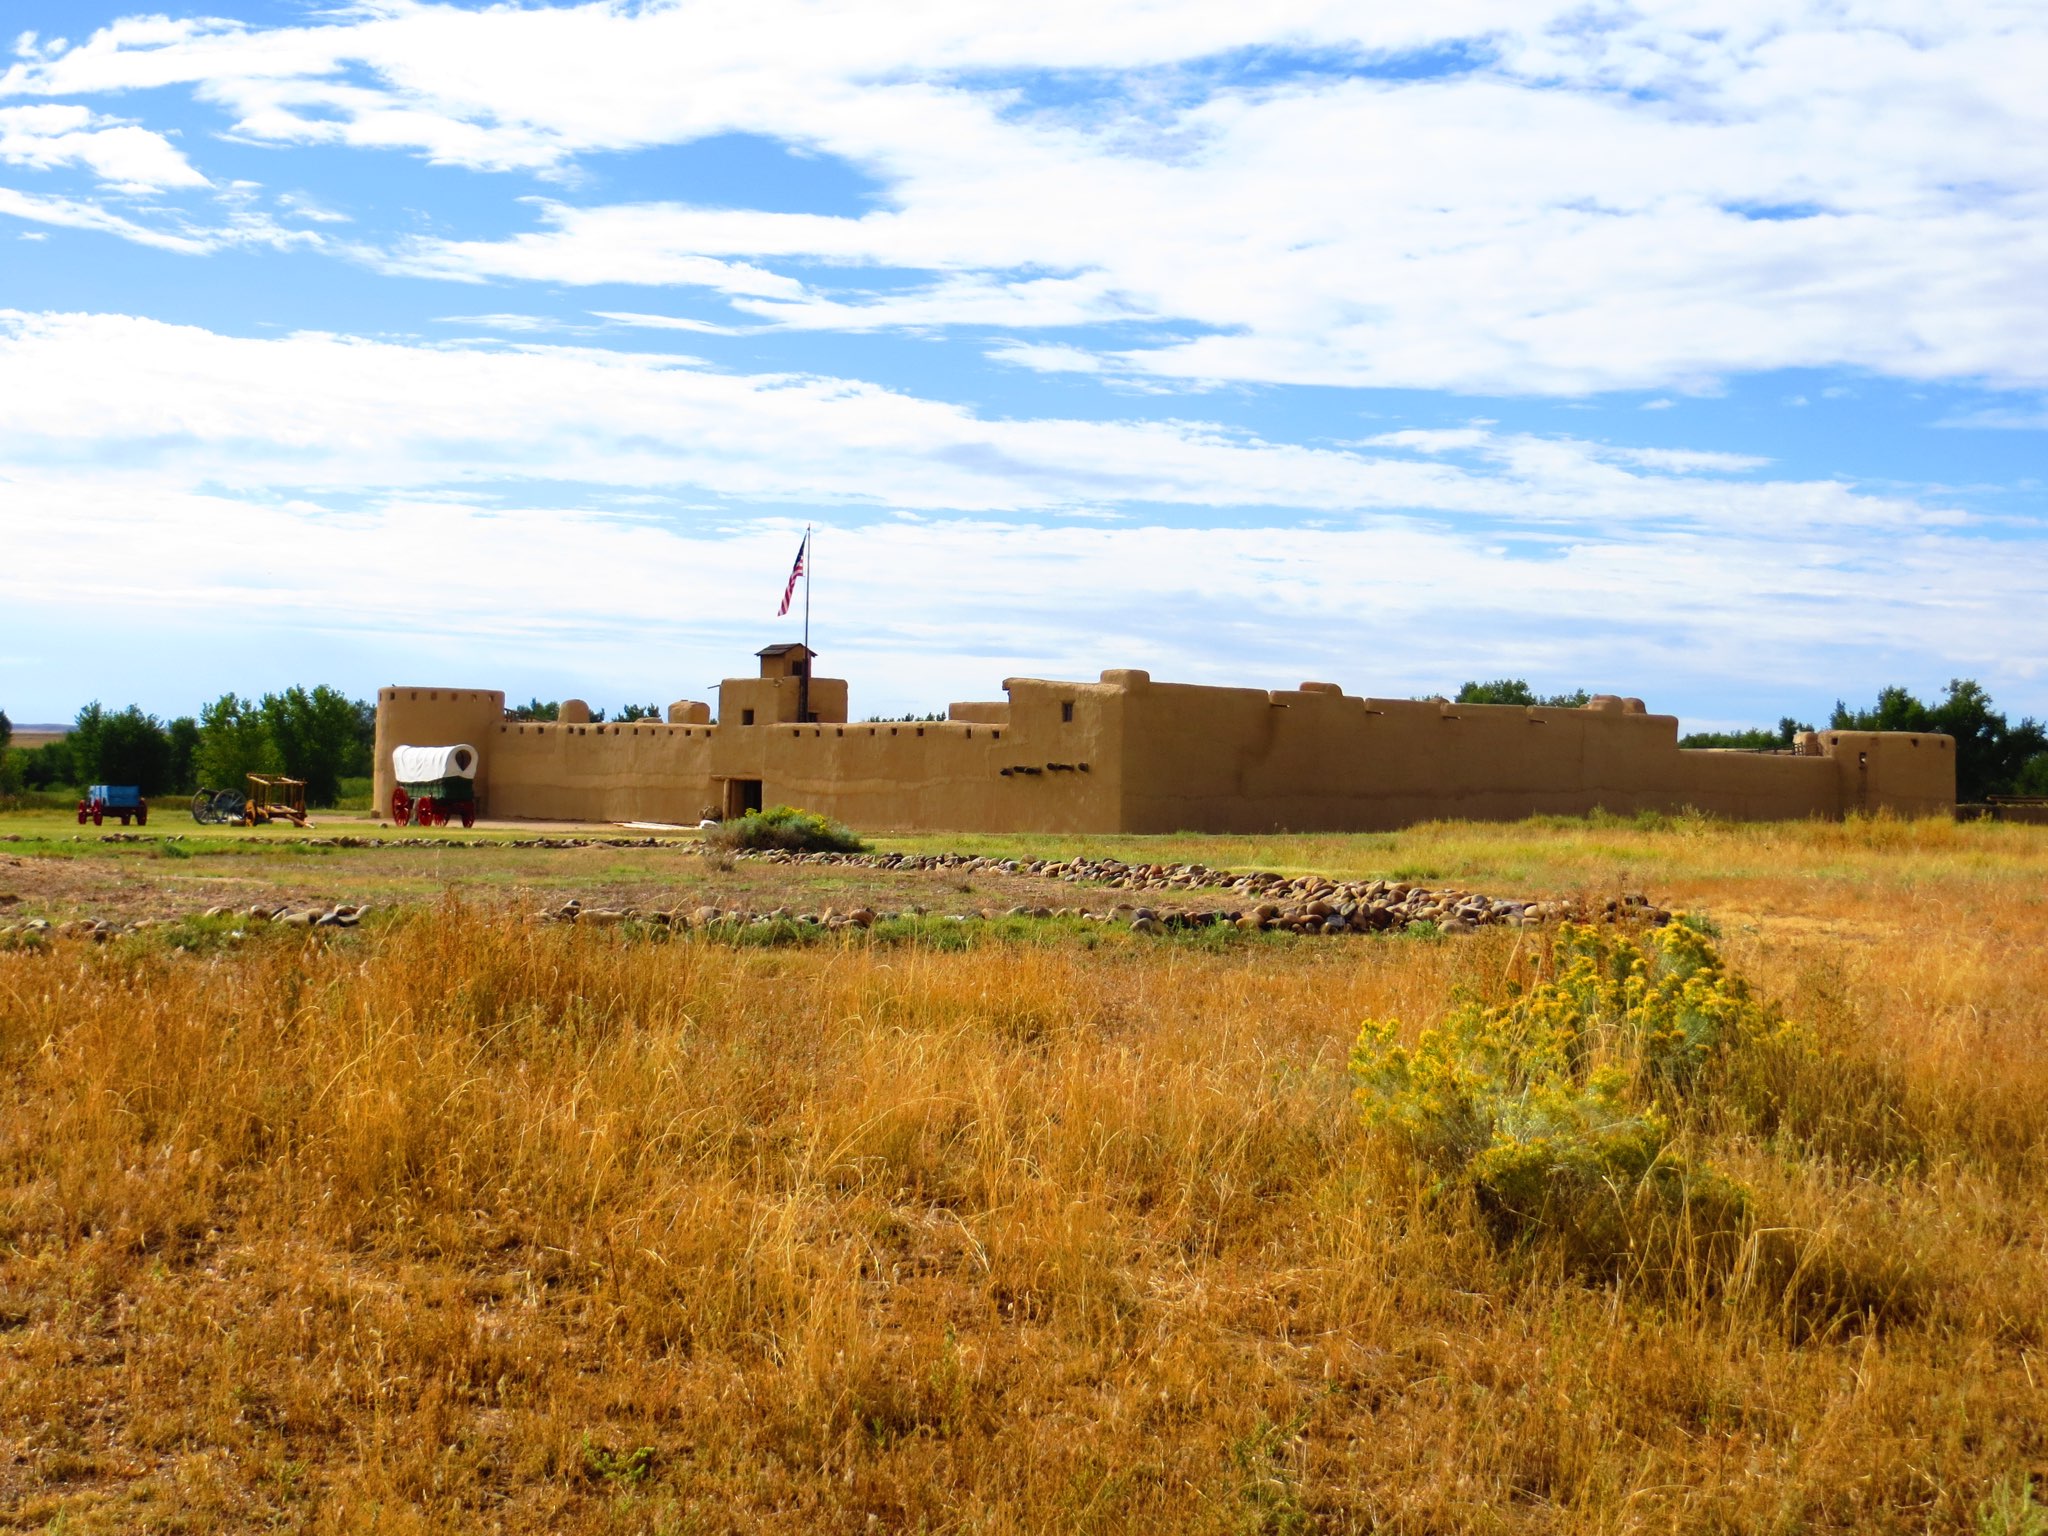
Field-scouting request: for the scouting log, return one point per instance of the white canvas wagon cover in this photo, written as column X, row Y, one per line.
column 424, row 765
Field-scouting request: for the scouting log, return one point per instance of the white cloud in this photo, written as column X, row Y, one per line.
column 578, row 502
column 175, row 403
column 665, row 323
column 130, row 158
column 1647, row 196
column 1046, row 358
column 74, row 214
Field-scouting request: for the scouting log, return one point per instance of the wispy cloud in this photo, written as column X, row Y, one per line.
column 1621, row 199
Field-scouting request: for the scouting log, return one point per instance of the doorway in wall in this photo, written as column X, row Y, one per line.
column 741, row 796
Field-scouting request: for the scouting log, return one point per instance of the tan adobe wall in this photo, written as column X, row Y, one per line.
column 1045, row 772
column 774, row 699
column 1248, row 760
column 1128, row 754
column 434, row 717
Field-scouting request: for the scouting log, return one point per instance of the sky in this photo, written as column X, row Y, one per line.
column 1684, row 349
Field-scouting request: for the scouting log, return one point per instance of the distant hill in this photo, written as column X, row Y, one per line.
column 29, row 737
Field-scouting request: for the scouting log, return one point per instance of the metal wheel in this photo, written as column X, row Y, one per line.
column 227, row 805
column 202, row 807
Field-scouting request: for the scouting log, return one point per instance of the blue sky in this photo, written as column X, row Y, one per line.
column 1680, row 349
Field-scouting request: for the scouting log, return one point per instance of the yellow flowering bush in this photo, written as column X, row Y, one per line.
column 1561, row 1109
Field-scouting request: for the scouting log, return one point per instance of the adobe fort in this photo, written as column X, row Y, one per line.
column 1127, row 754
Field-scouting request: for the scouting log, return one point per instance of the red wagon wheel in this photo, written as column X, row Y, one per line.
column 401, row 806
column 99, row 813
column 469, row 813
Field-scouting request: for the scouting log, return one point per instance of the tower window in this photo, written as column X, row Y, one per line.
column 1066, row 711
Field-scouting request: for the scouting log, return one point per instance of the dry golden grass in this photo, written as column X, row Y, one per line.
column 466, row 1224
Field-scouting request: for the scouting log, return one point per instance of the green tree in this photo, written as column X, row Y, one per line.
column 48, row 766
column 1758, row 740
column 84, row 742
column 10, row 760
column 534, row 709
column 314, row 734
column 130, row 747
column 6, row 733
column 1992, row 753
column 232, row 743
column 634, row 712
column 117, row 747
column 1514, row 690
column 362, row 757
column 183, row 735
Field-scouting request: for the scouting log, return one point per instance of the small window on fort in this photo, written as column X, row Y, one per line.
column 746, row 717
column 1067, row 712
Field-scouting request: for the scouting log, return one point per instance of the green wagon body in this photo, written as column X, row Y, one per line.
column 453, row 789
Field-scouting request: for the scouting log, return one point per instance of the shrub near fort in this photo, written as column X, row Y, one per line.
column 787, row 828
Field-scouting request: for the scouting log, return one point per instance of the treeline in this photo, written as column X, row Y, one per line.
column 535, row 710
column 318, row 734
column 1994, row 755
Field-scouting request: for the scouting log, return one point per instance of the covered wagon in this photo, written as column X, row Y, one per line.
column 434, row 783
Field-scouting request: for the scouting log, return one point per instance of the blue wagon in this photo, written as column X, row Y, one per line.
column 122, row 800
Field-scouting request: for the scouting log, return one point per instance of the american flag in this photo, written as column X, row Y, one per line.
column 796, row 573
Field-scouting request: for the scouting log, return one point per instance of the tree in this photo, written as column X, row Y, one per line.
column 131, row 748
column 84, row 742
column 10, row 761
column 314, row 734
column 123, row 747
column 362, row 760
column 634, row 712
column 183, row 735
column 1991, row 753
column 232, row 743
column 6, row 733
column 48, row 766
column 1514, row 690
column 536, row 710
column 1758, row 740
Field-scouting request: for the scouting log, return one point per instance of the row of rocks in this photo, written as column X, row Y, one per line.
column 1273, row 899
column 1317, row 917
column 100, row 929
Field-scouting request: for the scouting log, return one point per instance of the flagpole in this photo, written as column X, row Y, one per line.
column 803, row 687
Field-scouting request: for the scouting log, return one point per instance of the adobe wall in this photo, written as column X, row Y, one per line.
column 434, row 717
column 1250, row 760
column 1034, row 770
column 1128, row 754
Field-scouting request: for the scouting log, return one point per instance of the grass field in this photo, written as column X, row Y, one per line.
column 456, row 1222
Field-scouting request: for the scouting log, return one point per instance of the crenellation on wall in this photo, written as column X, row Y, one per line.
column 1127, row 753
